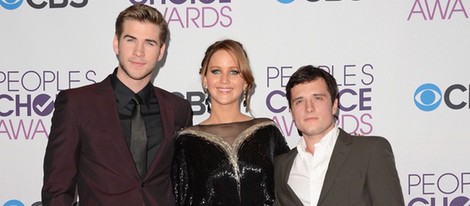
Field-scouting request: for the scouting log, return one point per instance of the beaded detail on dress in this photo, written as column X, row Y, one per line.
column 207, row 170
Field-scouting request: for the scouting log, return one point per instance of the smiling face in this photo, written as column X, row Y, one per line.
column 312, row 108
column 223, row 80
column 138, row 50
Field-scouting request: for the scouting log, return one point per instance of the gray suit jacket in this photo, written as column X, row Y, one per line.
column 361, row 172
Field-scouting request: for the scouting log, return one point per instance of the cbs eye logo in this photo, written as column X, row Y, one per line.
column 456, row 97
column 428, row 97
column 10, row 4
column 52, row 4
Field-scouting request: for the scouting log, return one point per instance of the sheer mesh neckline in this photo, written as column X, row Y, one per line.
column 228, row 132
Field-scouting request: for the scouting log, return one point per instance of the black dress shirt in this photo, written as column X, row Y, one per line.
column 150, row 112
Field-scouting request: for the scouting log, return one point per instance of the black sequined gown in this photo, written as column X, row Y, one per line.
column 227, row 164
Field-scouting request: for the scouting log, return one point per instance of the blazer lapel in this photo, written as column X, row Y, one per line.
column 167, row 118
column 287, row 168
column 106, row 104
column 285, row 176
column 339, row 155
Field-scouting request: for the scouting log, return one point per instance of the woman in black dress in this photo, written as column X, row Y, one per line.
column 228, row 158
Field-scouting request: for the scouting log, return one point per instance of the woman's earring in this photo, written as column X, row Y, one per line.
column 244, row 98
column 208, row 100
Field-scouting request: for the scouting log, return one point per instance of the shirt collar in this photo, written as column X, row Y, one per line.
column 124, row 94
column 328, row 142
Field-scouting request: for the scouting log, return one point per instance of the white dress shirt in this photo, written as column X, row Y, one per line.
column 308, row 171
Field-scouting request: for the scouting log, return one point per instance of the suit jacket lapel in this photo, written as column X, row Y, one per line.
column 167, row 118
column 106, row 103
column 287, row 168
column 339, row 155
column 285, row 177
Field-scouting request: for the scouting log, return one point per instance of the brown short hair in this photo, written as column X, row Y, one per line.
column 142, row 13
column 307, row 74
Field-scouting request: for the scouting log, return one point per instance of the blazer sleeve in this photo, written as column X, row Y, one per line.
column 382, row 180
column 189, row 115
column 61, row 156
column 182, row 108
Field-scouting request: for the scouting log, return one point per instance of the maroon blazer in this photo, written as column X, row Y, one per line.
column 87, row 151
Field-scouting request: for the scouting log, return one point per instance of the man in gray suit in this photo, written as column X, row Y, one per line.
column 329, row 166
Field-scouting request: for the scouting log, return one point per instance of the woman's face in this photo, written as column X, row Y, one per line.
column 223, row 80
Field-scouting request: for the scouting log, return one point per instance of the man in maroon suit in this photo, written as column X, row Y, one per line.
column 91, row 137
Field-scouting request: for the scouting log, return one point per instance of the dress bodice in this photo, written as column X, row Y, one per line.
column 227, row 164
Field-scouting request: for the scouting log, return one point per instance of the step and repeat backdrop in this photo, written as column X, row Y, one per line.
column 403, row 68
